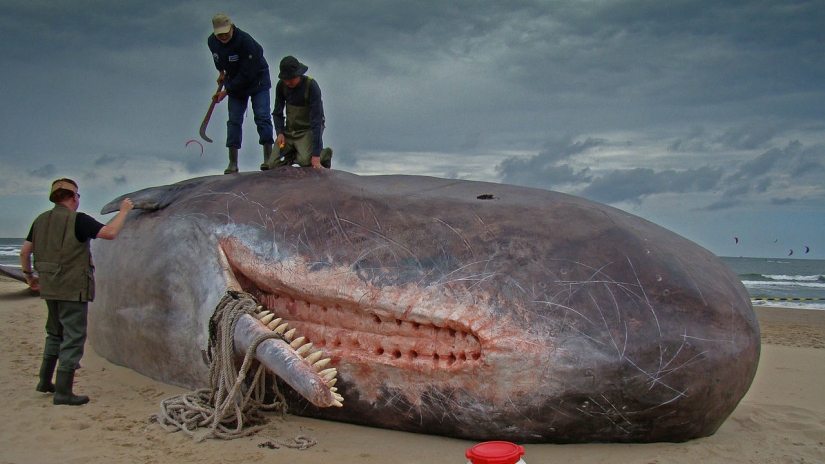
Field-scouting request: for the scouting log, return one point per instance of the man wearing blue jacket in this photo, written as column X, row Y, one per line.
column 243, row 75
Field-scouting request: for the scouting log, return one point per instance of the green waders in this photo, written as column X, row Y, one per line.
column 298, row 139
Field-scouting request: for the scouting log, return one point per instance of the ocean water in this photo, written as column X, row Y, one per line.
column 10, row 251
column 789, row 283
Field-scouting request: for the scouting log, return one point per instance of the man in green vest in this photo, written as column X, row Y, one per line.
column 300, row 134
column 60, row 239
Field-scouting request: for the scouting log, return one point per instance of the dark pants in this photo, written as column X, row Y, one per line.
column 66, row 332
column 263, row 119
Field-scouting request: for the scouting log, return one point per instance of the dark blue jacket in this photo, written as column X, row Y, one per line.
column 247, row 72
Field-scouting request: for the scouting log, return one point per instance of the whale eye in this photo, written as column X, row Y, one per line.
column 486, row 196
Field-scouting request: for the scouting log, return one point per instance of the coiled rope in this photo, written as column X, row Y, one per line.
column 229, row 408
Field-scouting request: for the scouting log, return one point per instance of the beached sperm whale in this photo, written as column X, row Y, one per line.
column 475, row 310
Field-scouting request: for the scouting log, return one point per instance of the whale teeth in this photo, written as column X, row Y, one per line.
column 260, row 308
column 320, row 365
column 274, row 323
column 304, row 349
column 328, row 374
column 281, row 328
column 313, row 357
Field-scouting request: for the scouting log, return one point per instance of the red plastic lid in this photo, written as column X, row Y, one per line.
column 495, row 452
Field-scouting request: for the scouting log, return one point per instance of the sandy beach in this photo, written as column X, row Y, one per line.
column 781, row 419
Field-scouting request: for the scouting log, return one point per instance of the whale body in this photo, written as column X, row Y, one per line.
column 465, row 309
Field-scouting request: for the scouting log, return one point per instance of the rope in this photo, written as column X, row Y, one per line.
column 228, row 405
column 300, row 442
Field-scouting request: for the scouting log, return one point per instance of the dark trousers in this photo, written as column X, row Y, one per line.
column 263, row 119
column 66, row 332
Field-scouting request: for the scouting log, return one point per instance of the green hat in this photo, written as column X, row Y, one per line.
column 291, row 67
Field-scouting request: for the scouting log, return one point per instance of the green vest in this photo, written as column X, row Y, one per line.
column 63, row 263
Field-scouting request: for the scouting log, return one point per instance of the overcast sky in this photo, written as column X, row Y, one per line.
column 706, row 117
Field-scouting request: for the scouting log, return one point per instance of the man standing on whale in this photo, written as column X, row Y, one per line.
column 60, row 241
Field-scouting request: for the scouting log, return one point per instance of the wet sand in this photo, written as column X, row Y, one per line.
column 781, row 419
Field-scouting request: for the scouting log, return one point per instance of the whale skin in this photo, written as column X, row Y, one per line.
column 466, row 309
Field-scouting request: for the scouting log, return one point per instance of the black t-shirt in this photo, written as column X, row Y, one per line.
column 85, row 227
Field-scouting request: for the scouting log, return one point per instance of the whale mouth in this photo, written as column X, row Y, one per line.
column 349, row 332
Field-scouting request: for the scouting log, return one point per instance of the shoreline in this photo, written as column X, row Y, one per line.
column 779, row 420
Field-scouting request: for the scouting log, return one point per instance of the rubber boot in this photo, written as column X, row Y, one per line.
column 267, row 155
column 326, row 157
column 233, row 161
column 46, row 373
column 63, row 390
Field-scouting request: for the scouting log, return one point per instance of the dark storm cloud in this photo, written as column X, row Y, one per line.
column 82, row 26
column 738, row 190
column 632, row 185
column 794, row 159
column 699, row 98
column 794, row 164
column 582, row 67
column 651, row 57
column 695, row 141
column 530, row 174
column 809, row 163
column 746, row 138
column 621, row 185
column 105, row 160
column 544, row 170
column 782, row 201
column 761, row 164
column 723, row 204
column 46, row 171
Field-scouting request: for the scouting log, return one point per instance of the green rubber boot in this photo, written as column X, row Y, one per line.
column 267, row 157
column 233, row 161
column 326, row 157
column 46, row 372
column 63, row 390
